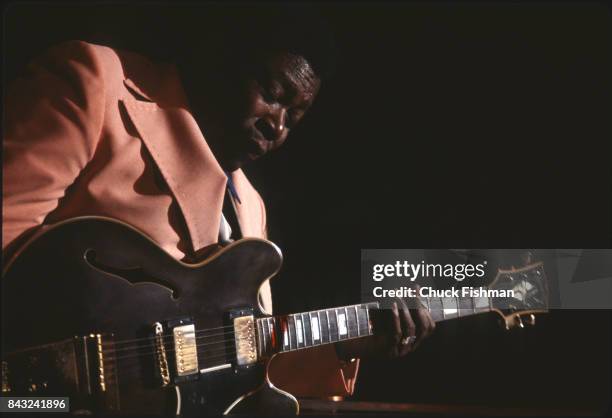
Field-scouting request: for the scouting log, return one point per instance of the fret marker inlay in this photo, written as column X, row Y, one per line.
column 298, row 331
column 285, row 338
column 342, row 329
column 314, row 322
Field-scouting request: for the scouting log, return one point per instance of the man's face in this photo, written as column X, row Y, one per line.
column 255, row 115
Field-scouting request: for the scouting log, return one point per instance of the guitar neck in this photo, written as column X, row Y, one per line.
column 314, row 328
column 443, row 308
column 327, row 326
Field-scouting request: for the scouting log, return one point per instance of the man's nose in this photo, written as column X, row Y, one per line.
column 273, row 125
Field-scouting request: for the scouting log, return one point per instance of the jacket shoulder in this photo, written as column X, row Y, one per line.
column 105, row 64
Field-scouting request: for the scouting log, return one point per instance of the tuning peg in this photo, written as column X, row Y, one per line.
column 519, row 321
column 532, row 320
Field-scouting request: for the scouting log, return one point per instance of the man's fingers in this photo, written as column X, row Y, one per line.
column 397, row 324
column 423, row 324
column 432, row 323
column 408, row 329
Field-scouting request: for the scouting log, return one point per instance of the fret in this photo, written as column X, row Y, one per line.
column 473, row 305
column 465, row 306
column 351, row 320
column 357, row 319
column 442, row 305
column 261, row 336
column 307, row 329
column 449, row 308
column 372, row 305
column 326, row 322
column 271, row 335
column 436, row 311
column 481, row 303
column 333, row 327
column 362, row 320
column 293, row 341
column 347, row 323
column 367, row 312
column 428, row 307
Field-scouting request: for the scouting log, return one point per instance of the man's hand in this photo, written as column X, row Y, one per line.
column 398, row 332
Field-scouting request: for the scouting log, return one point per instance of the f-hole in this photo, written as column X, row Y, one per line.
column 133, row 275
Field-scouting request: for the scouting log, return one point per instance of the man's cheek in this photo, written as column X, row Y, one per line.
column 258, row 108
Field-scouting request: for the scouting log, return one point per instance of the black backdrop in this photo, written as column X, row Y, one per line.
column 447, row 125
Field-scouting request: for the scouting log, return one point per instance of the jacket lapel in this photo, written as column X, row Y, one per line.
column 184, row 159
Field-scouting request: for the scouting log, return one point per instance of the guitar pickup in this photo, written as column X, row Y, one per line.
column 184, row 354
column 245, row 339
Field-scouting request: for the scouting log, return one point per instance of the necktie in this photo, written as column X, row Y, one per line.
column 229, row 228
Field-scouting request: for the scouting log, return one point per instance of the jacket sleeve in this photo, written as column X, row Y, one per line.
column 314, row 373
column 53, row 120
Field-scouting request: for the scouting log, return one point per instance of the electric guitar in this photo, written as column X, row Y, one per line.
column 96, row 311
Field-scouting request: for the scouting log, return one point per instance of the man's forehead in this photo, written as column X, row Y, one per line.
column 296, row 73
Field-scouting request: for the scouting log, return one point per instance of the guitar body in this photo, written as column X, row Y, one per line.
column 90, row 276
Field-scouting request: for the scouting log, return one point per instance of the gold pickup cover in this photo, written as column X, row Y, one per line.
column 186, row 350
column 246, row 348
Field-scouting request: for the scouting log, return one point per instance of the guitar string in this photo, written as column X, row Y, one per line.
column 152, row 345
column 224, row 343
column 231, row 326
column 166, row 335
column 169, row 337
column 205, row 359
column 114, row 368
column 170, row 350
column 165, row 339
column 204, row 355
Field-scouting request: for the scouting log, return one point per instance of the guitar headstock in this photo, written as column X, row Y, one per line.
column 530, row 290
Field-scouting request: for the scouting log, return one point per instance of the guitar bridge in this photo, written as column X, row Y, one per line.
column 97, row 364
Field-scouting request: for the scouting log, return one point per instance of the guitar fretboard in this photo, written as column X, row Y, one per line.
column 327, row 326
column 314, row 328
column 456, row 307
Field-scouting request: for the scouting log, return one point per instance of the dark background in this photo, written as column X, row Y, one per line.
column 447, row 125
